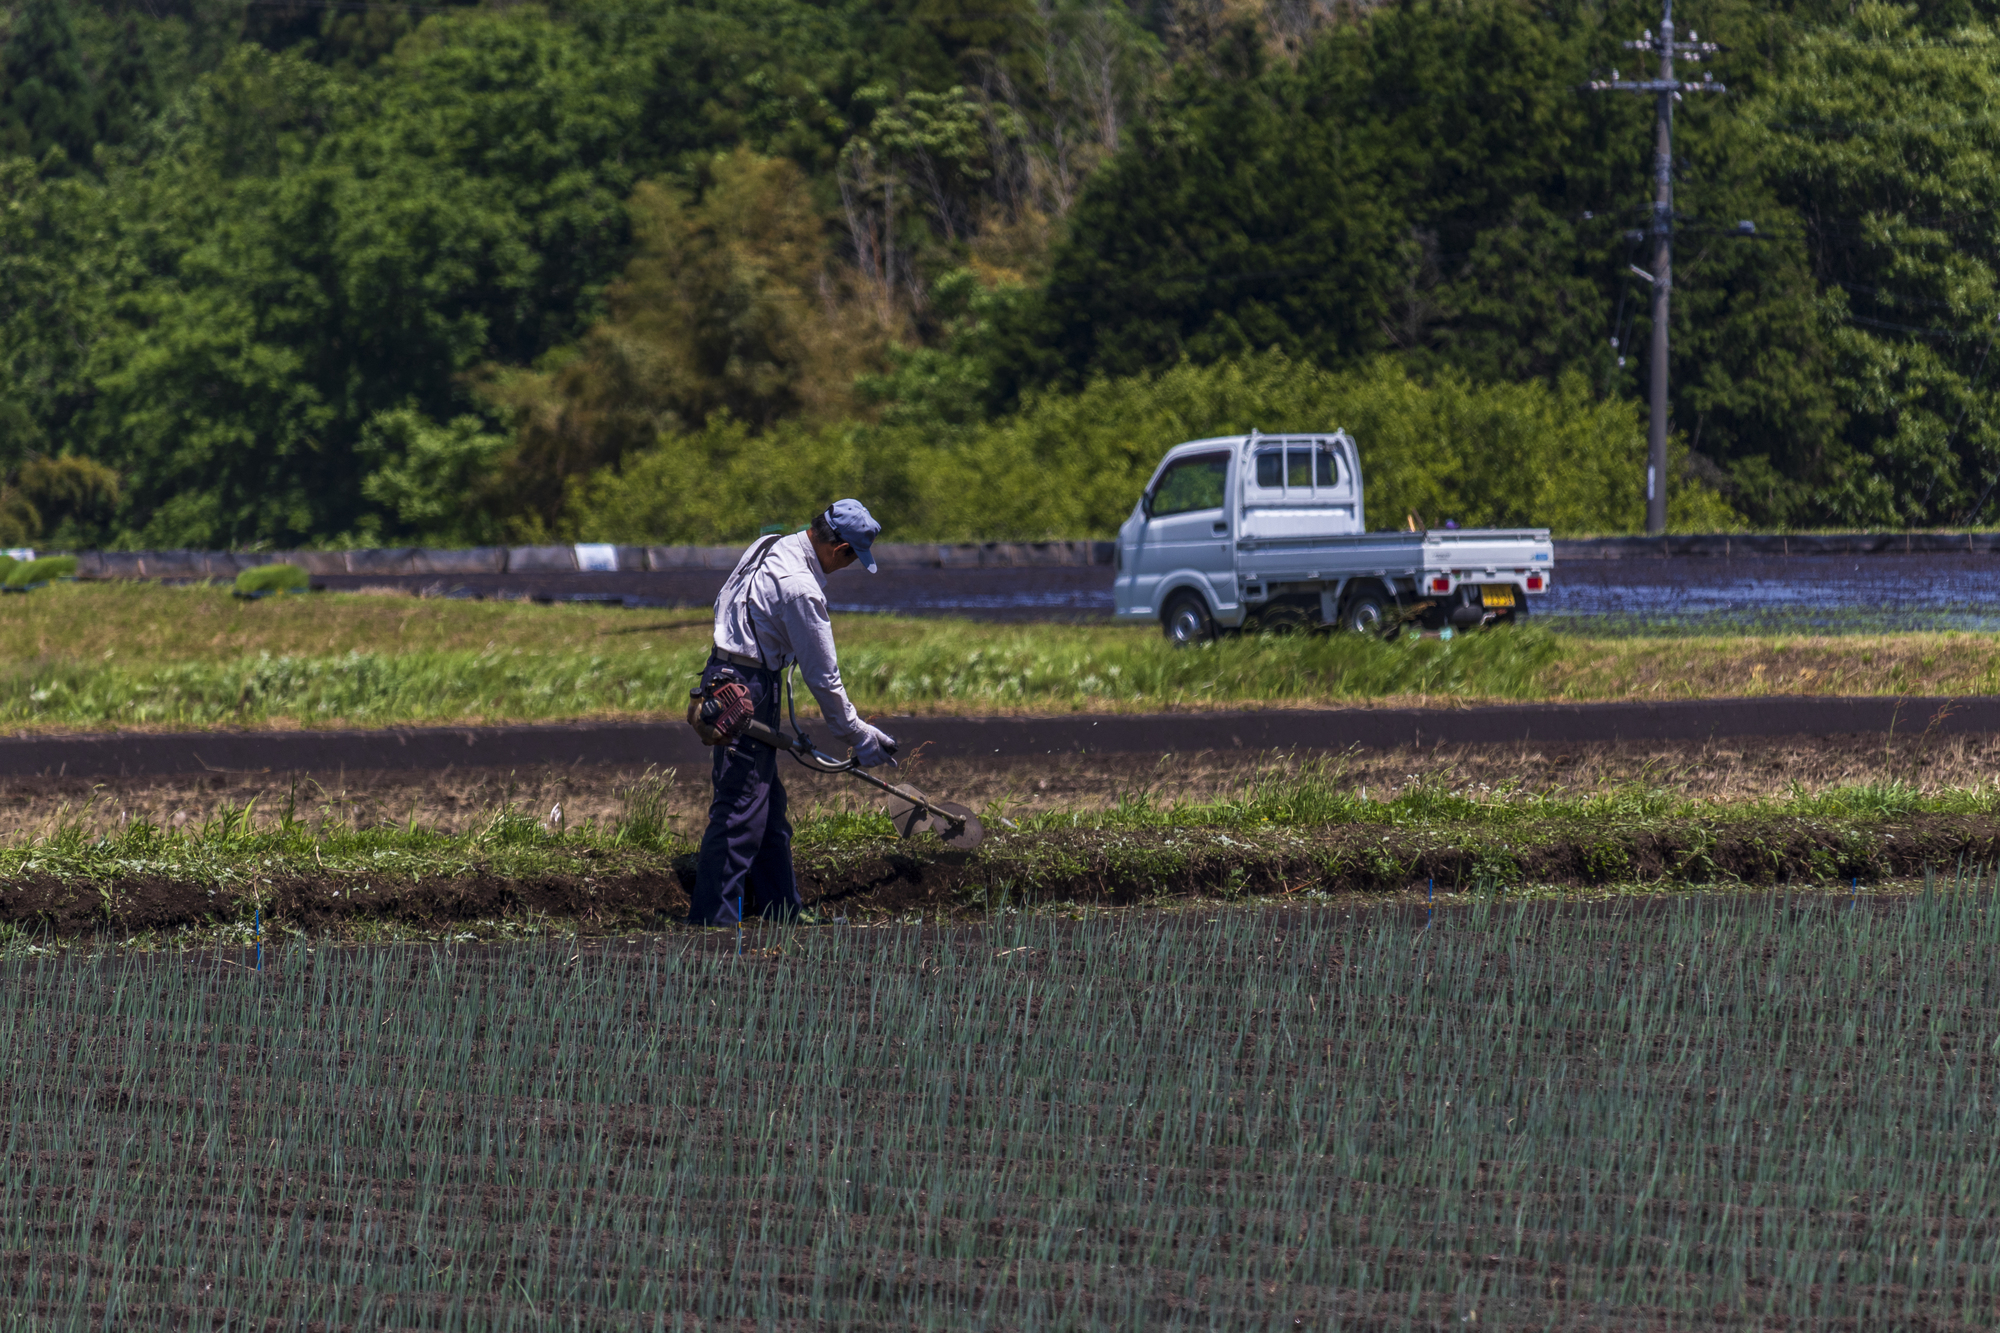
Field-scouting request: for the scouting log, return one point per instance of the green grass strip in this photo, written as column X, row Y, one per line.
column 238, row 843
column 97, row 655
column 1129, row 672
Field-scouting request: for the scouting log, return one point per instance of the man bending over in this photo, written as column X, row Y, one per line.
column 771, row 613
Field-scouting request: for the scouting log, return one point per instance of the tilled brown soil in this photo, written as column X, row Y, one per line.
column 461, row 799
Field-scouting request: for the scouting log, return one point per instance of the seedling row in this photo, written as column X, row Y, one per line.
column 1703, row 1112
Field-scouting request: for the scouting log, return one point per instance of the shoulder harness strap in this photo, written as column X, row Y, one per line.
column 741, row 604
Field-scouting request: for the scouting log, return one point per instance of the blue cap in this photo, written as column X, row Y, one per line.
column 853, row 524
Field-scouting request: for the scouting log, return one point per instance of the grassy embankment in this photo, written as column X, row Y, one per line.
column 95, row 656
column 1305, row 835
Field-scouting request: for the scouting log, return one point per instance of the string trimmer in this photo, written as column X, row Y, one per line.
column 910, row 810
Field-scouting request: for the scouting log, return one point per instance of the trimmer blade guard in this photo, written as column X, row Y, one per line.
column 907, row 811
column 954, row 824
column 958, row 826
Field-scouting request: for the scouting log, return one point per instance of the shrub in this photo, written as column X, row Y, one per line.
column 27, row 573
column 265, row 579
column 1073, row 465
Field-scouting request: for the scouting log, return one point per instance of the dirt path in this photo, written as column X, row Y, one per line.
column 1185, row 736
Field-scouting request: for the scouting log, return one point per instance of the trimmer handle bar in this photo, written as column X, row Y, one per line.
column 958, row 826
column 801, row 748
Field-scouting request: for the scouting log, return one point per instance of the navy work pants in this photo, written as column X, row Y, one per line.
column 745, row 863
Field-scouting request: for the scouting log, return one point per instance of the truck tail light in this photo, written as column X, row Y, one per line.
column 1440, row 584
column 1534, row 583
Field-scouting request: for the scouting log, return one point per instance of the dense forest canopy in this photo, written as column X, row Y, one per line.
column 313, row 273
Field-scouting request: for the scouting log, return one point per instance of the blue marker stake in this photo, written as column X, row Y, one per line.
column 1431, row 897
column 260, row 939
column 1856, row 901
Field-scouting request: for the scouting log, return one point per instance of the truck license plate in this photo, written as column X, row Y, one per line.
column 1496, row 594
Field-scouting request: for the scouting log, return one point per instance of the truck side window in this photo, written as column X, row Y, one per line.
column 1190, row 484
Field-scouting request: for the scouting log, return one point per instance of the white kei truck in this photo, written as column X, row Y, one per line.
column 1266, row 531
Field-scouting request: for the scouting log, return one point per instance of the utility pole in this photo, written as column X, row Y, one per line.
column 1667, row 90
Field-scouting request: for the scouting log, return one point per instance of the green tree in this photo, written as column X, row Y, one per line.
column 55, row 275
column 204, row 392
column 45, row 100
column 1246, row 217
column 67, row 501
column 284, row 268
column 1882, row 147
column 731, row 306
column 293, row 249
column 1431, row 183
column 313, row 259
column 435, row 481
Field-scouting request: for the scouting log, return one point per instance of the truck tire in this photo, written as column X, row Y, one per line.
column 1186, row 620
column 1367, row 611
column 1285, row 617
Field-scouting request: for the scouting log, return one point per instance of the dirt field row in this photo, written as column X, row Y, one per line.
column 454, row 801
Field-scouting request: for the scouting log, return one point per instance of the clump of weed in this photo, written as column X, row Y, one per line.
column 647, row 822
column 266, row 580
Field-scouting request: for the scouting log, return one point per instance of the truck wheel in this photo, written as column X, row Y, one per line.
column 1282, row 618
column 1186, row 621
column 1367, row 612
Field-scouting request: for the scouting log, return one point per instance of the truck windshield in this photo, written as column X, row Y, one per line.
column 1191, row 483
column 1296, row 467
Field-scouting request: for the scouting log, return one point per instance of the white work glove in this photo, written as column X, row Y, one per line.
column 873, row 747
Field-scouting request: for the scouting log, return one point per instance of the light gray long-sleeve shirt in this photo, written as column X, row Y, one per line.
column 777, row 612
